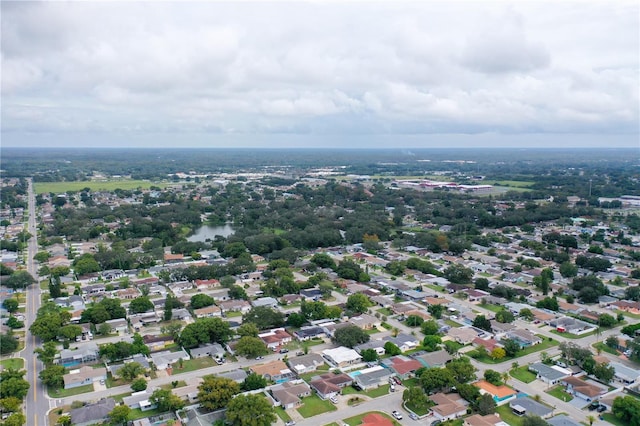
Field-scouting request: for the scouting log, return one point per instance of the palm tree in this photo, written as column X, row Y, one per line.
column 505, row 377
column 591, row 419
column 395, row 332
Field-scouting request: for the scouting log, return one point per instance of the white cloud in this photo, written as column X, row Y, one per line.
column 379, row 67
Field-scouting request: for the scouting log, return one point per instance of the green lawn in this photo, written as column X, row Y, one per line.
column 385, row 311
column 118, row 398
column 605, row 348
column 571, row 335
column 232, row 314
column 15, row 363
column 373, row 393
column 193, row 364
column 490, row 307
column 627, row 314
column 63, row 393
column 111, row 185
column 421, row 411
column 507, row 415
column 514, row 183
column 523, row 374
column 452, row 323
column 558, row 392
column 357, row 420
column 611, row 418
column 137, row 413
column 313, row 405
column 282, row 414
column 546, row 344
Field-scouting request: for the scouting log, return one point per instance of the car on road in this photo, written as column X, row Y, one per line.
column 414, row 416
column 396, row 415
column 259, row 357
column 284, row 350
column 290, row 423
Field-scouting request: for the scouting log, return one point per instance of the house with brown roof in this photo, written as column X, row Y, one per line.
column 275, row 370
column 403, row 366
column 206, row 284
column 488, row 420
column 501, row 394
column 330, row 384
column 462, row 335
column 235, row 306
column 208, row 312
column 365, row 321
column 275, row 338
column 448, row 406
column 627, row 306
column 582, row 389
column 173, row 258
column 289, row 394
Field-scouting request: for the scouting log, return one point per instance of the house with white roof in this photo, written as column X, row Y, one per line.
column 341, row 356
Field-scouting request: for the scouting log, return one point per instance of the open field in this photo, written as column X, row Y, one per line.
column 523, row 374
column 111, row 185
column 313, row 405
column 559, row 393
column 512, row 183
column 14, row 363
column 63, row 393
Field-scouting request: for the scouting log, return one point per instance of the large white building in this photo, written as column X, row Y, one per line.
column 341, row 356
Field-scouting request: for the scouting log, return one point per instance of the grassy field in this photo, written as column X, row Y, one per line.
column 513, row 183
column 611, row 418
column 523, row 374
column 63, row 393
column 282, row 414
column 373, row 393
column 111, row 185
column 193, row 364
column 544, row 345
column 605, row 348
column 313, row 405
column 15, row 363
column 573, row 336
column 559, row 393
column 357, row 420
column 507, row 415
column 490, row 307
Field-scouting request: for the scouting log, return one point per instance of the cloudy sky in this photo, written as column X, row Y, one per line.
column 320, row 73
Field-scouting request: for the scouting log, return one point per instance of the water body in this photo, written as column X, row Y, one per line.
column 208, row 232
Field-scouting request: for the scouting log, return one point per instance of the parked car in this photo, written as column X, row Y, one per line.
column 333, row 399
column 397, row 380
column 594, row 405
column 259, row 357
column 414, row 416
column 436, row 422
column 290, row 423
column 392, row 388
column 284, row 350
column 602, row 409
column 396, row 415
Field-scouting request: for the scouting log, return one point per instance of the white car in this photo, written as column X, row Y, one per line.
column 333, row 399
column 397, row 415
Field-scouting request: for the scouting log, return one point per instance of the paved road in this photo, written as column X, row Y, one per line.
column 37, row 404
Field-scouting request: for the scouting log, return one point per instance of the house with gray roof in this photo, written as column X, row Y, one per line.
column 237, row 376
column 163, row 360
column 289, row 394
column 371, row 378
column 623, row 374
column 305, row 363
column 269, row 302
column 91, row 414
column 140, row 400
column 531, row 407
column 214, row 350
column 87, row 353
column 563, row 420
column 376, row 345
column 435, row 359
column 405, row 342
column 549, row 374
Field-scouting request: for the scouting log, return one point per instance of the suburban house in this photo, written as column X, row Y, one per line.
column 371, row 378
column 275, row 370
column 448, row 406
column 488, row 420
column 376, row 345
column 551, row 375
column 571, row 325
column 582, row 389
column 365, row 321
column 268, row 302
column 139, row 400
column 84, row 376
column 530, row 407
column 341, row 356
column 289, row 395
column 214, row 350
column 306, row 363
column 625, row 375
column 235, row 306
column 163, row 360
column 405, row 342
column 208, row 312
column 403, row 366
column 501, row 394
column 88, row 352
column 435, row 359
column 275, row 338
column 94, row 413
column 309, row 332
column 118, row 325
column 524, row 337
column 463, row 335
column 330, row 384
column 563, row 420
column 157, row 343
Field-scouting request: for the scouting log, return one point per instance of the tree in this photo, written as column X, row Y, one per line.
column 436, row 311
column 604, row 372
column 131, row 370
column 568, row 269
column 120, row 414
column 14, row 322
column 19, row 280
column 627, row 409
column 550, row 303
column 248, row 329
column 481, row 284
column 323, row 260
column 437, row 379
column 530, row 420
column 350, row 336
column 391, row 349
column 70, row 331
column 12, row 383
column 64, row 421
column 430, row 327
column 296, row 319
column 612, row 342
column 526, row 314
column 11, row 305
column 469, row 392
column 358, row 303
column 139, row 385
column 486, row 404
column 15, row 419
column 498, row 353
column 253, row 381
column 415, row 398
column 8, row 343
column 264, row 317
column 205, row 330
column 10, row 404
column 493, row 377
column 606, row 320
column 251, row 347
column 414, row 321
column 201, row 301
column 462, row 370
column 216, row 392
column 250, row 410
column 369, row 355
column 52, row 376
column 458, row 274
column 140, row 304
column 166, row 400
column 511, row 347
column 85, row 264
column 482, row 322
column 431, row 343
column 505, row 316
